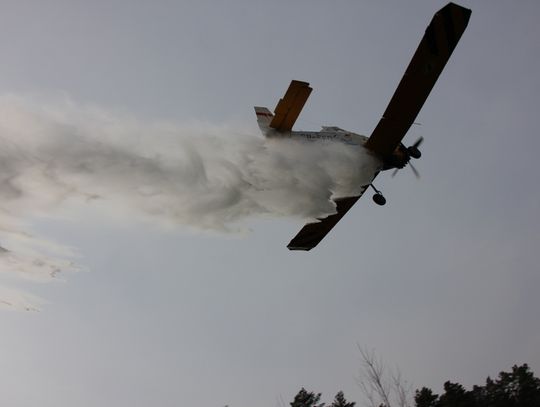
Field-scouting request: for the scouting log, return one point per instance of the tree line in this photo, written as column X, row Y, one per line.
column 517, row 388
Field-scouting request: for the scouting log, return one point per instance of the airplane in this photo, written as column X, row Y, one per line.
column 432, row 54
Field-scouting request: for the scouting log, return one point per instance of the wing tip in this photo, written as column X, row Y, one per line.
column 465, row 12
column 294, row 247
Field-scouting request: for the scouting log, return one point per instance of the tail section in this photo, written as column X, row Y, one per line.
column 286, row 111
column 264, row 117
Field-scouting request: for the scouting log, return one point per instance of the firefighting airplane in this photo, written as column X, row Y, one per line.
column 436, row 46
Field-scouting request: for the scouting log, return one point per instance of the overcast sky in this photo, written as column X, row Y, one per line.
column 442, row 281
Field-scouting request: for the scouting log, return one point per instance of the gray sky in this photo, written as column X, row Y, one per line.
column 442, row 281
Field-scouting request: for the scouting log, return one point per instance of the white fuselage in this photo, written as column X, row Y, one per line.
column 328, row 133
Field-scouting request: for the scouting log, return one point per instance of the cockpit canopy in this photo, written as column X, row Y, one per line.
column 333, row 129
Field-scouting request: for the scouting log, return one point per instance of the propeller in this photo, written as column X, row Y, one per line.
column 413, row 150
column 418, row 142
column 415, row 153
column 413, row 168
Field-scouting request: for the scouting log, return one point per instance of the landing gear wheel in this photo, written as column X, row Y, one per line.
column 379, row 199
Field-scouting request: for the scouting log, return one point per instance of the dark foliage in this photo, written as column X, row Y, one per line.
column 518, row 388
column 425, row 398
column 340, row 401
column 306, row 398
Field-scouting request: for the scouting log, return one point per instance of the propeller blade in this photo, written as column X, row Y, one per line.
column 418, row 142
column 414, row 170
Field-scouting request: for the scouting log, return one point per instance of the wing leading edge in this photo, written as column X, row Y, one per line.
column 432, row 54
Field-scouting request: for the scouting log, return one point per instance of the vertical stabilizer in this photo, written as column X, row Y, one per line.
column 264, row 117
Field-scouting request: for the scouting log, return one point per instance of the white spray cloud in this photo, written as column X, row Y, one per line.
column 198, row 175
column 18, row 300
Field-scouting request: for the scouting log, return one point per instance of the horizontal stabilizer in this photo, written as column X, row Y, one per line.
column 288, row 109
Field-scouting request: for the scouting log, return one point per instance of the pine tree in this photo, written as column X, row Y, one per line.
column 425, row 398
column 306, row 398
column 340, row 401
column 518, row 388
column 455, row 395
